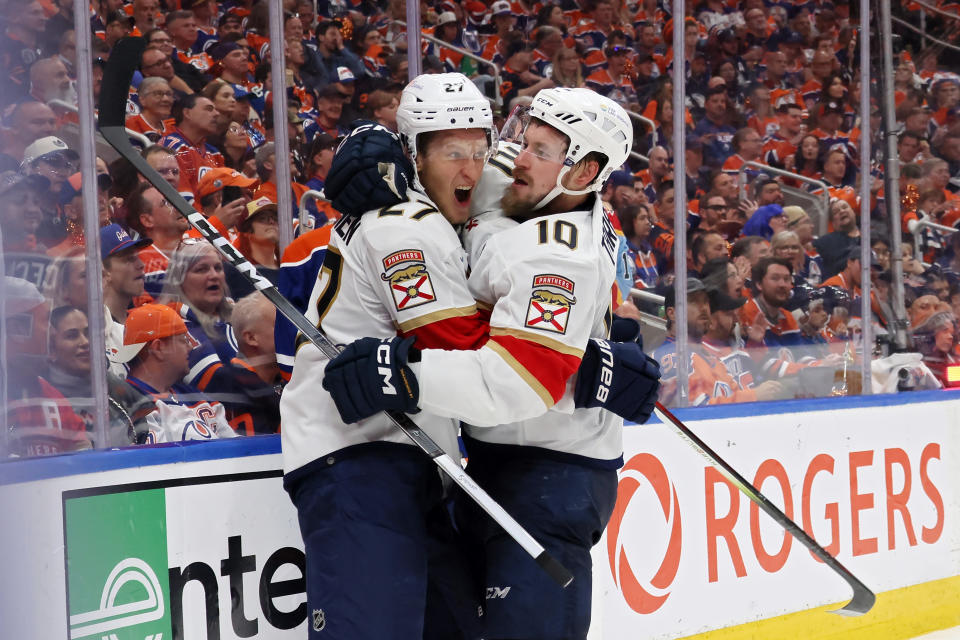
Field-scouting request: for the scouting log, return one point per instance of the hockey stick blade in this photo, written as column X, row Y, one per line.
column 863, row 597
column 113, row 98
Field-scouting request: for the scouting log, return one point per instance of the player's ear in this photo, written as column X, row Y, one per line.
column 582, row 174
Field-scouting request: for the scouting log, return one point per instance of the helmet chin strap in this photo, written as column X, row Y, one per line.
column 559, row 188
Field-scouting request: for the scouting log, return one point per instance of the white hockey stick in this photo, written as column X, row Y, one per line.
column 863, row 597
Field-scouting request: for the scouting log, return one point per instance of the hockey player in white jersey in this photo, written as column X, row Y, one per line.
column 369, row 503
column 547, row 280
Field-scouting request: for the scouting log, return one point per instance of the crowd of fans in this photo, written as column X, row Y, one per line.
column 773, row 307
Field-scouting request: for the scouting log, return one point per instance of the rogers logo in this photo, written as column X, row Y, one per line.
column 641, row 594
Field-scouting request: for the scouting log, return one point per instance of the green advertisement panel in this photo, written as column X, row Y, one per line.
column 116, row 556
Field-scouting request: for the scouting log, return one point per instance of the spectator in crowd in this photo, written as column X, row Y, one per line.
column 156, row 63
column 786, row 245
column 256, row 365
column 149, row 213
column 772, row 285
column 238, row 154
column 20, row 217
column 635, row 220
column 195, row 119
column 382, row 108
column 219, row 184
column 259, row 242
column 29, row 121
column 20, row 46
column 566, row 70
column 709, row 380
column 331, row 53
column 936, row 338
column 848, row 278
column 746, row 144
column 658, row 171
column 156, row 104
column 267, row 171
column 164, row 162
column 156, row 347
column 221, row 94
column 49, row 80
column 834, row 245
column 66, row 284
column 704, row 247
column 714, row 132
column 51, row 158
column 195, row 285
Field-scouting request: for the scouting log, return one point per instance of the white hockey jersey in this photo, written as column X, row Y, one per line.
column 547, row 282
column 400, row 269
column 175, row 422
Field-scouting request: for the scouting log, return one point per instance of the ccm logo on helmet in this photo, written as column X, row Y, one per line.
column 645, row 594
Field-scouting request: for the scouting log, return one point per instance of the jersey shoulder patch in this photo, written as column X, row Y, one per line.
column 406, row 271
column 551, row 301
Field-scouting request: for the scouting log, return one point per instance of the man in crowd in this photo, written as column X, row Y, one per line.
column 122, row 280
column 156, row 347
column 154, row 218
column 194, row 119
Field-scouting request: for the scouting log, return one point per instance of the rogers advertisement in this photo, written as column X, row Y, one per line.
column 686, row 552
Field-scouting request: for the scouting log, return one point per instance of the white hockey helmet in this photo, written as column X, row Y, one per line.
column 440, row 102
column 593, row 123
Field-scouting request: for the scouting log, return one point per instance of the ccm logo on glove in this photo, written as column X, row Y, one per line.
column 383, row 357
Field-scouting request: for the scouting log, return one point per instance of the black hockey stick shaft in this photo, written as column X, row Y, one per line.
column 863, row 597
column 113, row 98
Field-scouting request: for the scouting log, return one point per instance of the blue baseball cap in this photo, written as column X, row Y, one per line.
column 114, row 239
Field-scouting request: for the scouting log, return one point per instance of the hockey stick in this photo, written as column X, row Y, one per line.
column 113, row 99
column 863, row 598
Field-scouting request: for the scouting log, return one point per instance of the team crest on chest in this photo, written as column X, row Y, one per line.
column 406, row 271
column 550, row 303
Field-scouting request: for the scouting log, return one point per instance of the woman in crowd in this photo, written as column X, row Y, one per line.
column 66, row 280
column 195, row 285
column 382, row 108
column 225, row 101
column 237, row 152
column 807, row 159
column 636, row 222
column 786, row 245
column 567, row 71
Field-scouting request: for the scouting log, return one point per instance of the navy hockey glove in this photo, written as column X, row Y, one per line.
column 625, row 330
column 370, row 376
column 369, row 171
column 619, row 377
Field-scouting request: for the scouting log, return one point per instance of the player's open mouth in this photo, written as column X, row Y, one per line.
column 462, row 194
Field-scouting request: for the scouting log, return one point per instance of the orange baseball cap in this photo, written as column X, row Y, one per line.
column 212, row 180
column 145, row 323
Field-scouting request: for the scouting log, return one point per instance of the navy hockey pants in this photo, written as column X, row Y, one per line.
column 382, row 560
column 565, row 506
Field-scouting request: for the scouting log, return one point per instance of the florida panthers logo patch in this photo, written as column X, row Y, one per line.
column 406, row 271
column 550, row 303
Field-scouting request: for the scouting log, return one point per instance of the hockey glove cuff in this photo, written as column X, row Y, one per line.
column 619, row 377
column 369, row 171
column 372, row 375
column 625, row 330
